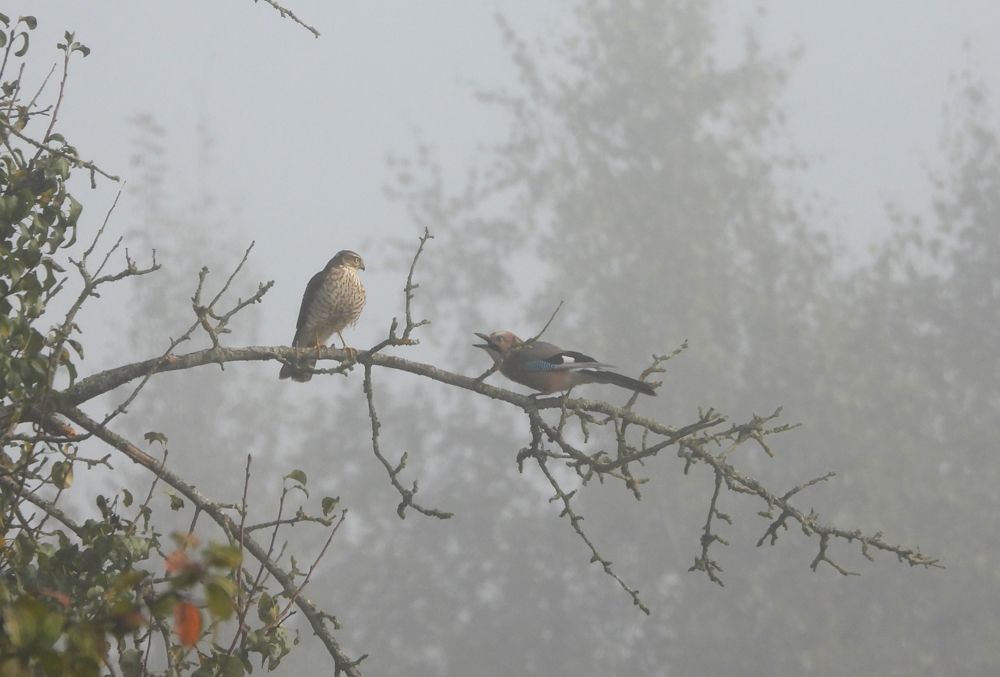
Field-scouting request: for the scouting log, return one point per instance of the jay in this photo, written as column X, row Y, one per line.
column 548, row 368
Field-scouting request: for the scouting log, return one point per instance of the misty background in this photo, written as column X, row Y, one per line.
column 809, row 194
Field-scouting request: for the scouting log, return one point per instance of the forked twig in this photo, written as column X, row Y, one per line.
column 407, row 494
column 404, row 339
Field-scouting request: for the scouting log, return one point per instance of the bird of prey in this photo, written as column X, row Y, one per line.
column 548, row 368
column 332, row 302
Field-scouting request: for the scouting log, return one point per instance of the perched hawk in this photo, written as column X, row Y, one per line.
column 333, row 301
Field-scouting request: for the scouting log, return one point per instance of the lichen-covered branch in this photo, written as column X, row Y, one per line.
column 693, row 442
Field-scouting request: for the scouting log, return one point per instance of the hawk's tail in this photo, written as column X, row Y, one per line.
column 296, row 373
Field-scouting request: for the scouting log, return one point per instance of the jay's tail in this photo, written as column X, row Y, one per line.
column 621, row 380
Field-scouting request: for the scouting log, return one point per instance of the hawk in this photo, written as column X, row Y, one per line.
column 332, row 302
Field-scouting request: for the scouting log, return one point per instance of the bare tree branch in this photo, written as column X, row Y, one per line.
column 407, row 494
column 693, row 441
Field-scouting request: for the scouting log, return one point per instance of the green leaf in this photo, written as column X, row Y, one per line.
column 35, row 343
column 127, row 580
column 29, row 21
column 183, row 539
column 22, row 621
column 75, row 209
column 163, row 605
column 62, row 475
column 329, row 505
column 51, row 661
column 53, row 265
column 138, row 547
column 267, row 608
column 244, row 658
column 71, row 369
column 127, row 498
column 257, row 641
column 298, row 476
column 223, row 556
column 234, row 668
column 24, row 49
column 219, row 594
column 176, row 502
column 50, row 629
column 277, row 647
column 155, row 437
column 130, row 663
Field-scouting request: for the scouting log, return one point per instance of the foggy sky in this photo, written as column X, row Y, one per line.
column 302, row 126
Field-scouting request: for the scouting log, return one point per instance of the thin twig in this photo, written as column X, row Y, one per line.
column 243, row 602
column 149, row 496
column 41, row 88
column 551, row 317
column 199, row 322
column 704, row 562
column 407, row 494
column 287, row 12
column 575, row 520
column 284, row 613
column 59, row 99
column 55, row 151
column 48, row 507
column 404, row 339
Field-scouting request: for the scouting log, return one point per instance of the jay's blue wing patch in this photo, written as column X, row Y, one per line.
column 539, row 365
column 565, row 360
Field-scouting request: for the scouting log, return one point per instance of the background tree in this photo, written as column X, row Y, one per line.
column 640, row 185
